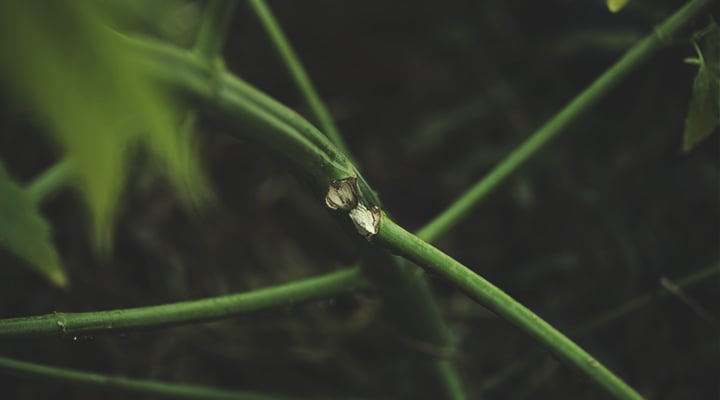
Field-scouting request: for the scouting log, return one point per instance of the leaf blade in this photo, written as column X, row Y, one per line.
column 703, row 114
column 616, row 5
column 62, row 59
column 26, row 233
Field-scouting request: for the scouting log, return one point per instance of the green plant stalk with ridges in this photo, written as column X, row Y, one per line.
column 631, row 60
column 140, row 386
column 296, row 70
column 187, row 312
column 258, row 116
column 402, row 242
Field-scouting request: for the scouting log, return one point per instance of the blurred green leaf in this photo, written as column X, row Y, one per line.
column 174, row 21
column 703, row 114
column 26, row 233
column 63, row 60
column 616, row 5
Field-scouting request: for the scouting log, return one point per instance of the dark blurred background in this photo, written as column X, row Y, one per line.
column 430, row 96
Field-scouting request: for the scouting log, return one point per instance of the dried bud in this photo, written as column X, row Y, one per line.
column 366, row 221
column 341, row 194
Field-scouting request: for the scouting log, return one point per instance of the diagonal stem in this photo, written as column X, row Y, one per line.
column 402, row 242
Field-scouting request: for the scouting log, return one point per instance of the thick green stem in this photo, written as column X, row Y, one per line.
column 187, row 312
column 139, row 386
column 254, row 114
column 403, row 243
column 632, row 59
column 296, row 70
column 210, row 40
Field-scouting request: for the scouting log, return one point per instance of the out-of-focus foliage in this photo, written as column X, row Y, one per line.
column 703, row 114
column 62, row 60
column 174, row 21
column 616, row 5
column 26, row 233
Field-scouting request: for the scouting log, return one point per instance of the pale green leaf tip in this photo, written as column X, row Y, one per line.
column 59, row 279
column 616, row 5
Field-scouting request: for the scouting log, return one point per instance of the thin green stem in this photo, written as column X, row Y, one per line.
column 403, row 243
column 139, row 386
column 210, row 40
column 450, row 378
column 187, row 312
column 296, row 70
column 632, row 59
column 52, row 180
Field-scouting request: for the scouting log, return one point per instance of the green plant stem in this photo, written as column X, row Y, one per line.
column 210, row 40
column 630, row 61
column 140, row 386
column 402, row 242
column 52, row 180
column 255, row 115
column 296, row 70
column 450, row 378
column 186, row 312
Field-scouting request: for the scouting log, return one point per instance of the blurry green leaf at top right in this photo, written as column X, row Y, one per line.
column 703, row 116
